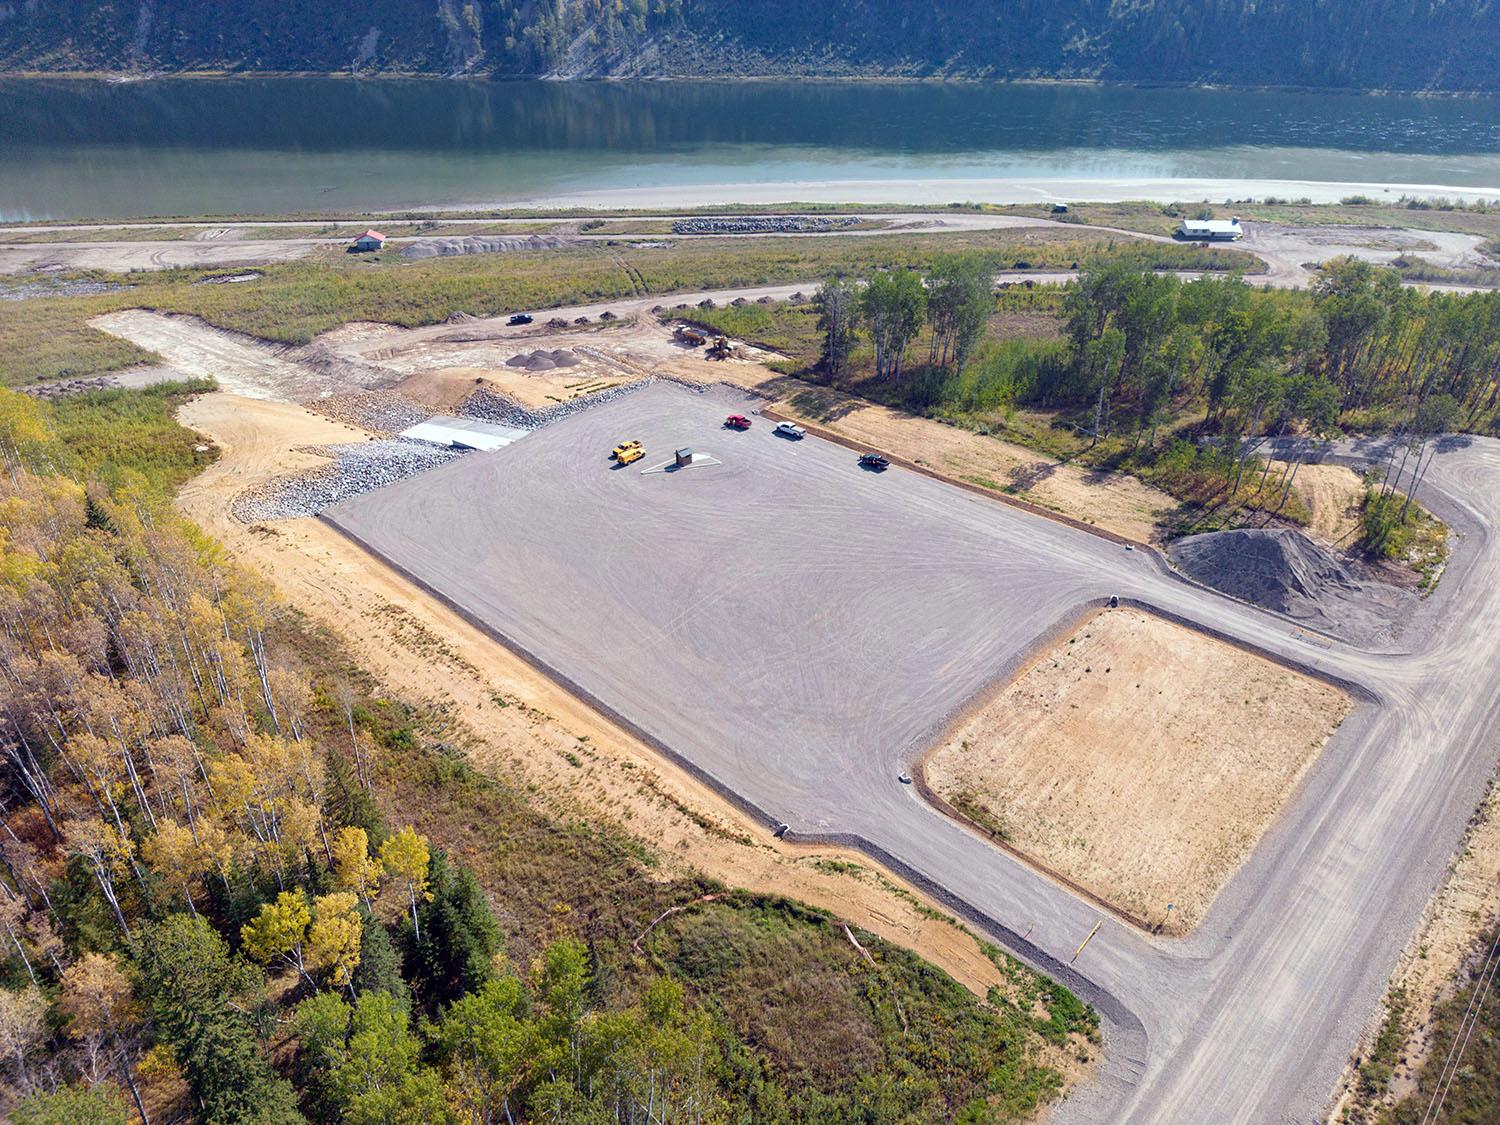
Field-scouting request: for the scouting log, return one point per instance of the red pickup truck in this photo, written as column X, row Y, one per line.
column 737, row 422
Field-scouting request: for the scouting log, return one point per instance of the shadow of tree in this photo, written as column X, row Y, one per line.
column 820, row 403
column 1023, row 478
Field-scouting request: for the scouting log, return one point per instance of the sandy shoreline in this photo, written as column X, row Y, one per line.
column 969, row 190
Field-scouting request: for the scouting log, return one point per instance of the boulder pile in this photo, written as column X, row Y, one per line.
column 489, row 405
column 357, row 468
column 381, row 412
column 765, row 224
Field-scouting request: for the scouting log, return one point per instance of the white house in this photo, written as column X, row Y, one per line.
column 1211, row 230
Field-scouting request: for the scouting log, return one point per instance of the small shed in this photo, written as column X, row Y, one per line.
column 370, row 240
column 684, row 457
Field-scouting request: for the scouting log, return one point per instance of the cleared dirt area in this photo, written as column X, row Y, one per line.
column 525, row 728
column 1332, row 494
column 1139, row 759
column 1111, row 501
column 122, row 257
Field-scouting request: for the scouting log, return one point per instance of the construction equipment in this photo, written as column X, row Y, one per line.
column 690, row 336
column 720, row 348
column 631, row 455
column 619, row 451
column 737, row 422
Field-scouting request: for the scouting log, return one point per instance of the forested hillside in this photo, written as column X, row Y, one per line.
column 1367, row 44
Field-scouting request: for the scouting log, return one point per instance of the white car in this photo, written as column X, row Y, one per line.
column 789, row 430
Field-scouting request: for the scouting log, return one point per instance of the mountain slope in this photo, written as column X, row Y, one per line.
column 1450, row 45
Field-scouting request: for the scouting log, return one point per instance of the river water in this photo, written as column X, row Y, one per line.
column 73, row 148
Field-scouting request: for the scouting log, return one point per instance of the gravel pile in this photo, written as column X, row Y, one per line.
column 763, row 224
column 383, row 412
column 491, row 406
column 1285, row 571
column 544, row 360
column 358, row 468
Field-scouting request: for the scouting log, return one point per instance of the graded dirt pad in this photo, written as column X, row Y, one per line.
column 1139, row 759
column 1285, row 571
column 794, row 625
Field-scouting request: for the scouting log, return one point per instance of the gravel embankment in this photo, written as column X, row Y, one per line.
column 491, row 406
column 355, row 469
column 381, row 412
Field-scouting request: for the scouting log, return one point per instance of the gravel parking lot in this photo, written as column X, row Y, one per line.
column 795, row 626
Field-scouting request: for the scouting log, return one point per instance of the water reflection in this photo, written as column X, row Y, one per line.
column 72, row 147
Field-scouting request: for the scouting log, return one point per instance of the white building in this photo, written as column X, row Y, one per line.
column 1211, row 230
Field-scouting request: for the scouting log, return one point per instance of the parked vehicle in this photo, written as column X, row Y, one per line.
column 737, row 422
column 619, row 451
column 519, row 318
column 631, row 455
column 874, row 461
column 790, row 430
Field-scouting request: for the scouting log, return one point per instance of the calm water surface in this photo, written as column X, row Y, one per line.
column 73, row 148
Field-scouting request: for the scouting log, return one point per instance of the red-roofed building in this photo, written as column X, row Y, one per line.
column 370, row 240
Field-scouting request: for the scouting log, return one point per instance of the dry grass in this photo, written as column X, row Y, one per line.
column 1139, row 759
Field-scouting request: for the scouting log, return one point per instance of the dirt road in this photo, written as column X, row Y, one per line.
column 1286, row 250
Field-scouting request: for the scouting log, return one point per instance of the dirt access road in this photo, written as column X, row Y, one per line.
column 1286, row 250
column 95, row 250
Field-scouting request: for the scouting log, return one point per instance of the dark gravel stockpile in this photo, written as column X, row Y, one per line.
column 1285, row 571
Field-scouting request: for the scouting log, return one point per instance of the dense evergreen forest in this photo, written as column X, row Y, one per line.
column 1451, row 45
